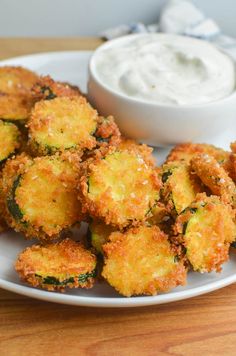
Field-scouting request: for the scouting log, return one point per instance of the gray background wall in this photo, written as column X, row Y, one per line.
column 89, row 17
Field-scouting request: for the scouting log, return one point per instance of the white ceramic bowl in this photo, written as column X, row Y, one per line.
column 158, row 124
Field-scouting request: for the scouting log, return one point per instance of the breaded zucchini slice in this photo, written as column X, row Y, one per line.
column 46, row 89
column 160, row 216
column 16, row 80
column 99, row 234
column 141, row 261
column 9, row 139
column 15, row 96
column 214, row 177
column 119, row 188
column 15, row 107
column 57, row 266
column 180, row 187
column 107, row 132
column 233, row 147
column 186, row 151
column 141, row 149
column 62, row 123
column 233, row 166
column 207, row 227
column 40, row 195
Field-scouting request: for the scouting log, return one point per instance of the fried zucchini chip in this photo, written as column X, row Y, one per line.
column 46, row 89
column 207, row 228
column 214, row 177
column 57, row 266
column 16, row 80
column 160, row 216
column 15, row 96
column 99, row 234
column 107, row 132
column 232, row 169
column 3, row 225
column 141, row 149
column 233, row 147
column 119, row 188
column 186, row 151
column 15, row 107
column 180, row 186
column 142, row 262
column 62, row 123
column 40, row 194
column 9, row 139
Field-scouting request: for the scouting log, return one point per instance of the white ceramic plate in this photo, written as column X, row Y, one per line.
column 72, row 67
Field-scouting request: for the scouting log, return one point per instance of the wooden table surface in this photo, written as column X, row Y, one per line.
column 204, row 325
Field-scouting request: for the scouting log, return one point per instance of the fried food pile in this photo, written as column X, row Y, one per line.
column 62, row 164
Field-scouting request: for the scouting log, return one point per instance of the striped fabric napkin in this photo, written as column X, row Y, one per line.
column 180, row 17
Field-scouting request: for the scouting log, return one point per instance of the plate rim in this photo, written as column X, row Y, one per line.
column 116, row 302
column 105, row 302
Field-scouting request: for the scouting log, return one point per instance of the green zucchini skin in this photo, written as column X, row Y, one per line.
column 165, row 176
column 49, row 93
column 82, row 278
column 12, row 205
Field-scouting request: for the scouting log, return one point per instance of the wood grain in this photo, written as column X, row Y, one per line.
column 202, row 326
column 12, row 47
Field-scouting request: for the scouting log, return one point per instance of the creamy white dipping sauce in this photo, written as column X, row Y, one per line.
column 166, row 69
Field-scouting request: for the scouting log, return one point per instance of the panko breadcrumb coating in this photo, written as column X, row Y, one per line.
column 16, row 80
column 206, row 228
column 46, row 89
column 233, row 166
column 57, row 266
column 39, row 195
column 9, row 139
column 15, row 95
column 99, row 234
column 186, row 151
column 107, row 132
column 233, row 147
column 62, row 123
column 180, row 186
column 160, row 216
column 15, row 107
column 214, row 177
column 141, row 149
column 141, row 261
column 119, row 188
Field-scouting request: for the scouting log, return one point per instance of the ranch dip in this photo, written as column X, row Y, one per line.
column 166, row 69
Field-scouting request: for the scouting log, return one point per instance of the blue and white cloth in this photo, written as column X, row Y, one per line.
column 180, row 17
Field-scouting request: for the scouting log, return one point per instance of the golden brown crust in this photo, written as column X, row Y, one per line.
column 15, row 107
column 9, row 139
column 107, row 132
column 62, row 123
column 233, row 147
column 186, row 151
column 46, row 194
column 62, row 261
column 141, row 149
column 16, row 80
column 180, row 186
column 214, row 177
column 15, row 97
column 206, row 229
column 46, row 89
column 141, row 261
column 140, row 188
column 232, row 165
